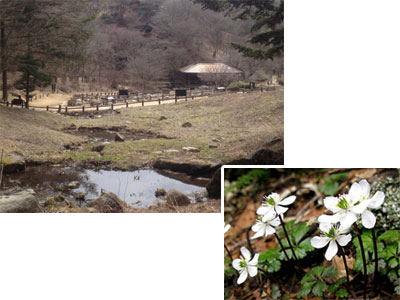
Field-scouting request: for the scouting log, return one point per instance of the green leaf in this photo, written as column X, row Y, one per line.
column 269, row 255
column 305, row 289
column 397, row 290
column 339, row 176
column 319, row 289
column 342, row 293
column 317, row 270
column 392, row 275
column 329, row 273
column 393, row 262
column 389, row 236
column 329, row 188
column 306, row 245
column 274, row 266
column 227, row 261
column 334, row 286
column 275, row 292
column 391, row 251
column 300, row 253
column 307, row 278
column 229, row 271
column 299, row 230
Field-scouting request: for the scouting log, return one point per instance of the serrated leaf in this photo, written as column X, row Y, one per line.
column 309, row 277
column 275, row 292
column 342, row 293
column 392, row 275
column 319, row 289
column 299, row 230
column 274, row 266
column 329, row 273
column 317, row 270
column 303, row 293
column 306, row 245
column 391, row 250
column 300, row 253
column 393, row 262
column 329, row 188
column 389, row 236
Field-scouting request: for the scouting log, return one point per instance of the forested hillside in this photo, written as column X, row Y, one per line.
column 111, row 43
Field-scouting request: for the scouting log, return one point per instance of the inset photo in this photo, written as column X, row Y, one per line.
column 311, row 233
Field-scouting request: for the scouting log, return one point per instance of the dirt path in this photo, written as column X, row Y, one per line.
column 52, row 100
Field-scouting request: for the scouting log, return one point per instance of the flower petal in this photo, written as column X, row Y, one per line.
column 368, row 219
column 365, row 188
column 259, row 233
column 236, row 264
column 268, row 216
column 246, row 253
column 325, row 227
column 377, row 200
column 275, row 222
column 226, row 228
column 331, row 204
column 257, row 227
column 254, row 261
column 288, row 200
column 329, row 218
column 319, row 241
column 242, row 277
column 331, row 251
column 348, row 219
column 359, row 208
column 343, row 229
column 269, row 230
column 343, row 240
column 252, row 271
column 281, row 209
column 262, row 210
column 355, row 191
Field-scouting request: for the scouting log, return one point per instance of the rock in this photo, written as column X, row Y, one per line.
column 119, row 138
column 176, row 198
column 108, row 203
column 213, row 146
column 99, row 147
column 187, row 125
column 71, row 127
column 73, row 185
column 13, row 164
column 80, row 197
column 171, row 151
column 214, row 186
column 161, row 192
column 191, row 149
column 162, row 118
column 217, row 140
column 272, row 153
column 191, row 168
column 21, row 202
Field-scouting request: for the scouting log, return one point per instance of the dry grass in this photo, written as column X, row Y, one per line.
column 243, row 123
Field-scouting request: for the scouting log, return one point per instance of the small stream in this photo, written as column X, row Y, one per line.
column 137, row 188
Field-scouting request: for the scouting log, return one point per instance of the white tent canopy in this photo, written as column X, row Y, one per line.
column 210, row 68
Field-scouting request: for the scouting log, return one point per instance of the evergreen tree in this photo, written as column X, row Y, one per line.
column 268, row 16
column 32, row 77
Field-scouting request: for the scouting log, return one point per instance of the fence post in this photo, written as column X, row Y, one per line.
column 137, row 95
column 59, row 109
column 12, row 104
column 97, row 107
column 66, row 109
column 112, row 106
column 127, row 104
column 159, row 101
column 8, row 103
column 83, row 108
column 143, row 102
column 47, row 108
column 176, row 99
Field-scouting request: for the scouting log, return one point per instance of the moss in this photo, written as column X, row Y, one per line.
column 388, row 214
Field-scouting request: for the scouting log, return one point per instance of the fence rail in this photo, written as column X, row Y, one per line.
column 126, row 103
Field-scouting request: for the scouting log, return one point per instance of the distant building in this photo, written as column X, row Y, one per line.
column 210, row 73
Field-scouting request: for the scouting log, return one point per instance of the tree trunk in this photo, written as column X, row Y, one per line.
column 3, row 61
column 27, row 89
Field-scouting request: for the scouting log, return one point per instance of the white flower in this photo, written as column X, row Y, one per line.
column 347, row 207
column 265, row 225
column 227, row 227
column 332, row 234
column 245, row 266
column 273, row 202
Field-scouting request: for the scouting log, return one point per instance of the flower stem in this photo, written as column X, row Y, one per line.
column 376, row 256
column 249, row 241
column 229, row 252
column 287, row 236
column 280, row 244
column 345, row 266
column 363, row 258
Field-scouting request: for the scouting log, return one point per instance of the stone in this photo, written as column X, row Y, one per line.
column 176, row 198
column 217, row 140
column 99, row 147
column 21, row 202
column 213, row 146
column 73, row 185
column 15, row 163
column 192, row 168
column 187, row 125
column 171, row 151
column 119, row 138
column 160, row 193
column 71, row 127
column 191, row 149
column 109, row 203
column 214, row 186
column 162, row 118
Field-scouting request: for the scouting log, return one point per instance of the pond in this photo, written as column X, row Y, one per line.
column 137, row 188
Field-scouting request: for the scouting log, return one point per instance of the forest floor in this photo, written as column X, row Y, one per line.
column 224, row 128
